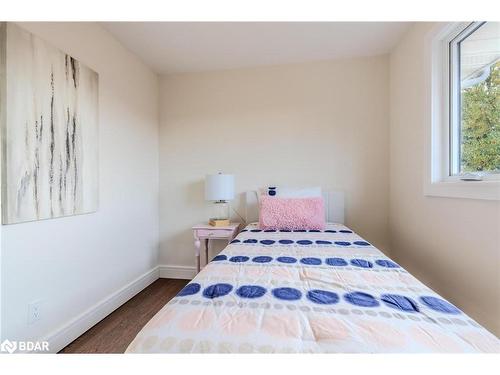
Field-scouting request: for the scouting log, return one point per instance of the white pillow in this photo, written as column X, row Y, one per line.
column 289, row 192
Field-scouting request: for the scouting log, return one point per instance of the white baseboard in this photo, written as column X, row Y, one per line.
column 69, row 332
column 177, row 272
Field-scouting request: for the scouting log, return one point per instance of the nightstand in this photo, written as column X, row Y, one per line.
column 207, row 232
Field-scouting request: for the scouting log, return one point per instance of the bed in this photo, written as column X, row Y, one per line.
column 316, row 291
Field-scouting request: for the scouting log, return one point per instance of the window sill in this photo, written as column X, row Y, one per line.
column 487, row 190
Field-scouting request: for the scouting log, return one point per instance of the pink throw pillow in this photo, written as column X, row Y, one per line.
column 291, row 213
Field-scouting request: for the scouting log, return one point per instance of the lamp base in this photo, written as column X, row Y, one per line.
column 219, row 222
column 220, row 215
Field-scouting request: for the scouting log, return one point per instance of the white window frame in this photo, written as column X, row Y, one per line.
column 439, row 180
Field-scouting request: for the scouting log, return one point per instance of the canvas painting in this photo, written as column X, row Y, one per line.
column 49, row 115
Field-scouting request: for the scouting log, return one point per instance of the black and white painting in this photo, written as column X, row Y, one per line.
column 49, row 115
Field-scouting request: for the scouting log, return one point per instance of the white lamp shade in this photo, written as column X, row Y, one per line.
column 219, row 187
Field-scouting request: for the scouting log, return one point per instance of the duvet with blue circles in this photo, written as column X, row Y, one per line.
column 316, row 291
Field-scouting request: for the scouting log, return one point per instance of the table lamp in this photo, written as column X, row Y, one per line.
column 219, row 188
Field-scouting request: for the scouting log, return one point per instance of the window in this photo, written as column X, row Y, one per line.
column 474, row 99
column 463, row 105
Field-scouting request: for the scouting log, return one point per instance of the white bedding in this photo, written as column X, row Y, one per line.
column 326, row 291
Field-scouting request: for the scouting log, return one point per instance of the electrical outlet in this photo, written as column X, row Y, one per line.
column 34, row 312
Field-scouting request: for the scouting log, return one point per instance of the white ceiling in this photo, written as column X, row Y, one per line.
column 174, row 47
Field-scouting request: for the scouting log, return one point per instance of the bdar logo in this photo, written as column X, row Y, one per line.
column 8, row 346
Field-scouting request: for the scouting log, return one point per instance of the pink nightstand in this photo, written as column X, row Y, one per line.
column 207, row 232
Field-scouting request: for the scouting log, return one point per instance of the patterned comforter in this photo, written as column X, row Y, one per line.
column 308, row 291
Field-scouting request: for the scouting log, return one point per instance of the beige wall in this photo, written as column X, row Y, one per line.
column 452, row 245
column 70, row 264
column 309, row 124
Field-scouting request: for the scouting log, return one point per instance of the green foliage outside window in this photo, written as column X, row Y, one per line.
column 481, row 124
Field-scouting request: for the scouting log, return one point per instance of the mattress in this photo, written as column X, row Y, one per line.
column 326, row 291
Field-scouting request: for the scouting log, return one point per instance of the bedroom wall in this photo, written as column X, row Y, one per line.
column 452, row 245
column 73, row 264
column 308, row 124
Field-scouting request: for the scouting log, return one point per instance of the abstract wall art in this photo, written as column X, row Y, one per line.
column 49, row 130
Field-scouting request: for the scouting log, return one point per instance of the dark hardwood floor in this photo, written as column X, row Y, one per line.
column 115, row 332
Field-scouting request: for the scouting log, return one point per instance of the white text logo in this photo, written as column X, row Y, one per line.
column 8, row 346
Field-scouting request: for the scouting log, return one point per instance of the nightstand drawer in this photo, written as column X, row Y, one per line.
column 221, row 233
column 206, row 232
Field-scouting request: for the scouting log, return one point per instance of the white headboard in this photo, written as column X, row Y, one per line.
column 334, row 206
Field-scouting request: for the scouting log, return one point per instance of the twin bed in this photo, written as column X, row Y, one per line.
column 308, row 291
